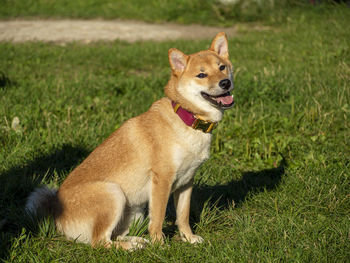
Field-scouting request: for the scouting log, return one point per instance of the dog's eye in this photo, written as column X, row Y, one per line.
column 222, row 67
column 201, row 75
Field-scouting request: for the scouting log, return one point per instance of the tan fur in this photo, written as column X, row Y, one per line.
column 146, row 159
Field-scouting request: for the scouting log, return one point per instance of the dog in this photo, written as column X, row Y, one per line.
column 148, row 158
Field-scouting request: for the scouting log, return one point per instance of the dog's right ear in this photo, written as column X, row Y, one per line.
column 177, row 60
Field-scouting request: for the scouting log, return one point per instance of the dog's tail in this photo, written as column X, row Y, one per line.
column 41, row 202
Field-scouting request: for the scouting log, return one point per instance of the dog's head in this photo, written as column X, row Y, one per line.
column 202, row 82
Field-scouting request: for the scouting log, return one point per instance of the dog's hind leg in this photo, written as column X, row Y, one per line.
column 91, row 212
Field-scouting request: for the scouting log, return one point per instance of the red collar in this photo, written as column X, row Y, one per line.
column 190, row 120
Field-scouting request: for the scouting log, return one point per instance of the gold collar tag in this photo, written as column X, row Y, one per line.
column 204, row 126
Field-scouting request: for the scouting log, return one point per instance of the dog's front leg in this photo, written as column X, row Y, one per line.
column 182, row 200
column 160, row 191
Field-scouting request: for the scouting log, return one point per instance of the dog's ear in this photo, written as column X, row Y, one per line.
column 177, row 60
column 220, row 45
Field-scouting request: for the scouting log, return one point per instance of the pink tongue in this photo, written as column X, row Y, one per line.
column 225, row 100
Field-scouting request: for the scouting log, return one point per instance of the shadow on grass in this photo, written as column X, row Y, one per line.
column 223, row 196
column 238, row 191
column 5, row 81
column 17, row 183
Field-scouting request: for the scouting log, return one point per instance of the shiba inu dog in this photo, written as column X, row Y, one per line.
column 148, row 158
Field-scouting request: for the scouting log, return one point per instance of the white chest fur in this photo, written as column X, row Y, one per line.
column 192, row 150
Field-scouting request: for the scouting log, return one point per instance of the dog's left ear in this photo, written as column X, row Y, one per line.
column 220, row 45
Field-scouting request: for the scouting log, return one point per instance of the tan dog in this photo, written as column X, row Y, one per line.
column 148, row 158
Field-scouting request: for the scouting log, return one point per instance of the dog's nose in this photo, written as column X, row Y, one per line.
column 225, row 84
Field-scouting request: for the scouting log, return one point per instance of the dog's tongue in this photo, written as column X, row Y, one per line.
column 225, row 100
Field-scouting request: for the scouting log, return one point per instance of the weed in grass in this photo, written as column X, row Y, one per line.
column 139, row 227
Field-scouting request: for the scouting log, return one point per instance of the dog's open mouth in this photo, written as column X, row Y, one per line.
column 223, row 101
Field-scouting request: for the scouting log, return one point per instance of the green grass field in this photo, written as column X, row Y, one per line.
column 277, row 185
column 180, row 11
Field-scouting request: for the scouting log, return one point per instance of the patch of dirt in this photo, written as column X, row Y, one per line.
column 86, row 31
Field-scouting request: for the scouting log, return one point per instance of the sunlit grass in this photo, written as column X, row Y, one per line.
column 276, row 187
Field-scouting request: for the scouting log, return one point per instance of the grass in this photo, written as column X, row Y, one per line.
column 179, row 11
column 276, row 188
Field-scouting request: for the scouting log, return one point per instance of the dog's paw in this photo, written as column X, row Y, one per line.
column 158, row 238
column 138, row 243
column 193, row 239
column 132, row 243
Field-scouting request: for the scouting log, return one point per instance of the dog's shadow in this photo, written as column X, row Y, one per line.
column 17, row 183
column 232, row 193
